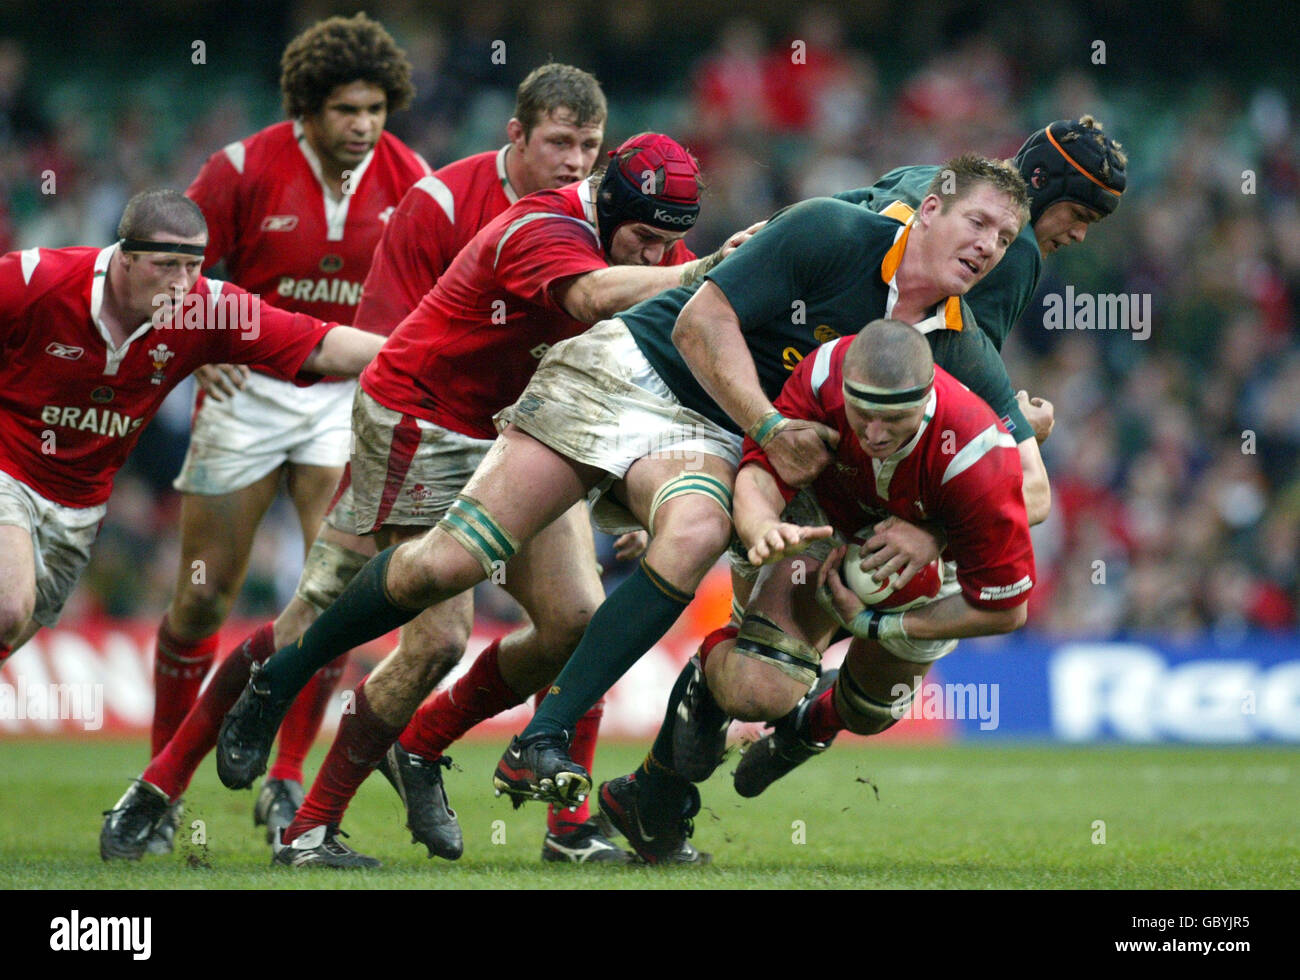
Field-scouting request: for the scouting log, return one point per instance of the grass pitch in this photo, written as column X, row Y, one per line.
column 862, row 816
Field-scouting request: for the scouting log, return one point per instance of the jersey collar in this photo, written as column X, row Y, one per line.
column 113, row 355
column 947, row 315
column 884, row 468
column 504, row 177
column 587, row 201
column 336, row 211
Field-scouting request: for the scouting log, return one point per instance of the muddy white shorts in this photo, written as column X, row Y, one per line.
column 595, row 399
column 61, row 538
column 269, row 422
column 404, row 470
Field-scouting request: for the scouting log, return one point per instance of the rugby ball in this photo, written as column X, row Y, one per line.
column 886, row 596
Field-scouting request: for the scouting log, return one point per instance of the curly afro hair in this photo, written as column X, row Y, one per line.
column 339, row 51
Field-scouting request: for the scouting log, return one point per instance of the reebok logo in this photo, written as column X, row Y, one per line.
column 280, row 222
column 65, row 351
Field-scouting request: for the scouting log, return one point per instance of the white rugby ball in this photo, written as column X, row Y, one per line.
column 886, row 596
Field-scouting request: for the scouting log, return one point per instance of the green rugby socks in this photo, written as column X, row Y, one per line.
column 362, row 612
column 633, row 619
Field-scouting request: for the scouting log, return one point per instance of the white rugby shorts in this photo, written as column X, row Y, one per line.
column 269, row 422
column 61, row 539
column 404, row 470
column 595, row 399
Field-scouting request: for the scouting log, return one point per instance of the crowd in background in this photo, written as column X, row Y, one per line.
column 1176, row 491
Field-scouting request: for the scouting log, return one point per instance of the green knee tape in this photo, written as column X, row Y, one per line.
column 478, row 532
column 688, row 483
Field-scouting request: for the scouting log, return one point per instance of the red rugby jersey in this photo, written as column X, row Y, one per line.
column 961, row 469
column 471, row 345
column 435, row 220
column 71, row 405
column 282, row 236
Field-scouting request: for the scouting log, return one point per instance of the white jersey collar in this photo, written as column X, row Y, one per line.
column 113, row 355
column 336, row 210
column 503, row 176
column 588, row 202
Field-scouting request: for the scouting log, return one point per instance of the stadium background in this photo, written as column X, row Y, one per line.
column 1168, row 577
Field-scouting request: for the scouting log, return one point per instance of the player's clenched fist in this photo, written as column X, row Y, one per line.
column 1040, row 413
column 799, row 450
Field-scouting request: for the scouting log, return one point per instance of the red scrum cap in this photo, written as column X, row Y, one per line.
column 650, row 179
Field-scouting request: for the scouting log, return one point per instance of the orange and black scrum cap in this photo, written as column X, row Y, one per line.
column 1068, row 161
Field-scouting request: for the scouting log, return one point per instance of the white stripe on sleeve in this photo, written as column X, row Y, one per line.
column 975, row 450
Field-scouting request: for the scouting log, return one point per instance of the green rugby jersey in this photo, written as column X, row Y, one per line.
column 999, row 299
column 819, row 270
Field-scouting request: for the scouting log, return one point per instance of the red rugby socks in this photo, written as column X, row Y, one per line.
column 179, row 667
column 172, row 768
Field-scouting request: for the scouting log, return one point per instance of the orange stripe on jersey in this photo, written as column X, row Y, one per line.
column 889, row 268
column 952, row 313
column 894, row 257
column 899, row 211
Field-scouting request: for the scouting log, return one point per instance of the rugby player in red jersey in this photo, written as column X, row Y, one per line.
column 294, row 212
column 553, row 140
column 914, row 443
column 93, row 339
column 538, row 274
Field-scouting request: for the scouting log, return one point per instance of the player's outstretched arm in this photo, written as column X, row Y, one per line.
column 756, row 512
column 710, row 340
column 601, row 293
column 344, row 352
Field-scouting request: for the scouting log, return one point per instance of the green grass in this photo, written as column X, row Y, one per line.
column 970, row 817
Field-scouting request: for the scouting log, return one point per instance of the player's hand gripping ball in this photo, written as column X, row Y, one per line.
column 886, row 596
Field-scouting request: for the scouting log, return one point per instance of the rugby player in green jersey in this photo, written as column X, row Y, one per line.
column 1075, row 174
